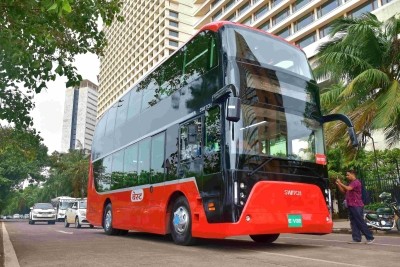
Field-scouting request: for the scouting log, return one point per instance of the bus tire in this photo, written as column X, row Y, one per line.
column 267, row 239
column 107, row 221
column 181, row 222
column 66, row 224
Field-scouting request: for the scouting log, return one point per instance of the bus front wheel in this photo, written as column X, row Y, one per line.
column 107, row 221
column 181, row 222
column 267, row 239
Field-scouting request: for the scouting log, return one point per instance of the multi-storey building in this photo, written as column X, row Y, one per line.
column 302, row 22
column 80, row 112
column 150, row 32
column 154, row 29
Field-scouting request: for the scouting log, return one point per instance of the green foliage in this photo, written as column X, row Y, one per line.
column 365, row 54
column 38, row 41
column 22, row 156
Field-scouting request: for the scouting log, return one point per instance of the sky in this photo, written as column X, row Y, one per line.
column 49, row 104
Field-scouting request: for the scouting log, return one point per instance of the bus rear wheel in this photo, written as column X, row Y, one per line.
column 267, row 239
column 107, row 221
column 181, row 222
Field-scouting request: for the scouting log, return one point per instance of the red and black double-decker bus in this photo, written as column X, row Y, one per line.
column 223, row 138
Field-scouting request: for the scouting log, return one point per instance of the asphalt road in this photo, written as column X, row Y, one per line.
column 54, row 245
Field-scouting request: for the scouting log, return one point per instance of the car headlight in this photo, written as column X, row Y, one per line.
column 82, row 213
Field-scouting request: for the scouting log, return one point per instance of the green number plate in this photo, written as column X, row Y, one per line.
column 295, row 220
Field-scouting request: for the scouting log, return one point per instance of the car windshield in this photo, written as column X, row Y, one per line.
column 64, row 205
column 82, row 204
column 43, row 206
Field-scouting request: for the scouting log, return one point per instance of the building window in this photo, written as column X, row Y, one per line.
column 231, row 17
column 299, row 4
column 217, row 15
column 365, row 8
column 229, row 5
column 384, row 2
column 328, row 7
column 173, row 23
column 307, row 40
column 275, row 2
column 304, row 21
column 213, row 4
column 173, row 43
column 247, row 21
column 265, row 26
column 173, row 33
column 284, row 33
column 243, row 8
column 281, row 16
column 325, row 31
column 261, row 12
column 173, row 14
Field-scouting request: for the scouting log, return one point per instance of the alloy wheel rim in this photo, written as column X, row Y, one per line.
column 181, row 220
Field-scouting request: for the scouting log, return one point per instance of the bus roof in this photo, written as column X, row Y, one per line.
column 215, row 26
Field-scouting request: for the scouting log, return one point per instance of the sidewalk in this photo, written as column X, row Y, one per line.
column 343, row 226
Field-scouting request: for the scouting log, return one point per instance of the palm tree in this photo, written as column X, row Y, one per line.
column 363, row 58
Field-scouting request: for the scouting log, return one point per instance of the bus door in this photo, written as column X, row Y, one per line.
column 213, row 190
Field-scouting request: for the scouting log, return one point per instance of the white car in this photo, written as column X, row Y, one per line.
column 42, row 212
column 76, row 214
column 16, row 216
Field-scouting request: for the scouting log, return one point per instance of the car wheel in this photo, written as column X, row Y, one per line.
column 267, row 239
column 77, row 224
column 181, row 223
column 91, row 225
column 66, row 224
column 107, row 221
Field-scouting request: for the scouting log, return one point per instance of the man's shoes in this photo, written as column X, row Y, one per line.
column 370, row 241
column 354, row 242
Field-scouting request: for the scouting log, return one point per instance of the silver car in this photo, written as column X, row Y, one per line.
column 76, row 214
column 42, row 212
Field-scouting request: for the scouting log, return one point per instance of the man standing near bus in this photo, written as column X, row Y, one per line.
column 355, row 206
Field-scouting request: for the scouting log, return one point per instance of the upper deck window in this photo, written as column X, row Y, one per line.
column 261, row 49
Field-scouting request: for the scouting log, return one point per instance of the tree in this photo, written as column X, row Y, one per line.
column 38, row 41
column 22, row 155
column 363, row 57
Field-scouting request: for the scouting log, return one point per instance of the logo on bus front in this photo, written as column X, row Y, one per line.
column 137, row 195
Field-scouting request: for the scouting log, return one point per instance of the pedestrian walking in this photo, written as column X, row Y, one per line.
column 355, row 206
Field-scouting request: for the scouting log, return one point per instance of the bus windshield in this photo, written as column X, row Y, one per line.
column 268, row 132
column 260, row 49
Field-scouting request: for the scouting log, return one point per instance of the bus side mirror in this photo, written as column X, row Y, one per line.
column 353, row 136
column 233, row 109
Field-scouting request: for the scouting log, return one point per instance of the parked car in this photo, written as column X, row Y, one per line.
column 26, row 216
column 16, row 216
column 42, row 212
column 76, row 214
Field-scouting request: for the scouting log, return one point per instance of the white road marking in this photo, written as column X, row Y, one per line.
column 10, row 258
column 305, row 258
column 338, row 241
column 63, row 232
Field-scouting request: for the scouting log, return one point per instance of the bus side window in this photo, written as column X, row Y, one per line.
column 157, row 158
column 102, row 174
column 144, row 162
column 131, row 165
column 117, row 174
column 191, row 140
column 212, row 141
column 200, row 56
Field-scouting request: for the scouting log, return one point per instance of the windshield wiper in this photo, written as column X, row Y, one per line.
column 260, row 166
